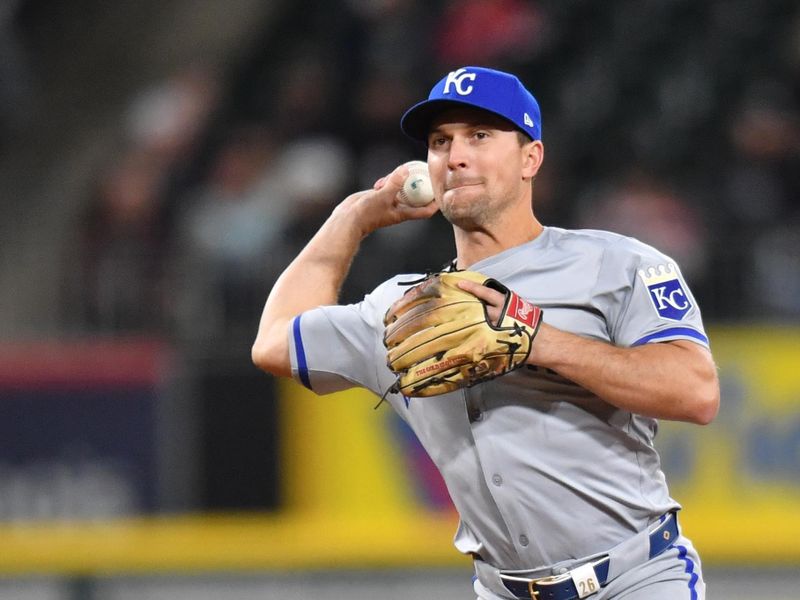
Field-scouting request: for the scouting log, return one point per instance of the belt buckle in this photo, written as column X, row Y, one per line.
column 534, row 594
column 533, row 582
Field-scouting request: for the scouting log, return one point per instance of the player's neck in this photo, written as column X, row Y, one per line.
column 475, row 245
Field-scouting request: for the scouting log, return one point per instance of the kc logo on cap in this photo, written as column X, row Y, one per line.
column 456, row 78
column 487, row 89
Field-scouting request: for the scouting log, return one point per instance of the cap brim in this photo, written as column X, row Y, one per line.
column 417, row 120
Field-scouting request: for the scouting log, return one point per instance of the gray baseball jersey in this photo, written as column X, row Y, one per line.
column 539, row 469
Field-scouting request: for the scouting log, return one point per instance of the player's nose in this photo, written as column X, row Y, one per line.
column 457, row 156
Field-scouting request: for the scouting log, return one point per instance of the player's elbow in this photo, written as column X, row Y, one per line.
column 705, row 411
column 697, row 391
column 705, row 400
column 270, row 353
column 260, row 356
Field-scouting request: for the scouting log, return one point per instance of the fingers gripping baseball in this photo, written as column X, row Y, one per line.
column 380, row 206
column 440, row 337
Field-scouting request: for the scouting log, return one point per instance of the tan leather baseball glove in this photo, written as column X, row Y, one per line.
column 439, row 337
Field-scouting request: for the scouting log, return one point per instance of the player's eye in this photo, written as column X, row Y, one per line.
column 480, row 135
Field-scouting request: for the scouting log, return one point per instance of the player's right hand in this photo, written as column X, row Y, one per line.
column 381, row 206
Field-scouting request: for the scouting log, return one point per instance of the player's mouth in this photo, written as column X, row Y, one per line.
column 458, row 184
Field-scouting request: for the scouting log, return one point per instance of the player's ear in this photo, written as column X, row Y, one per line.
column 532, row 157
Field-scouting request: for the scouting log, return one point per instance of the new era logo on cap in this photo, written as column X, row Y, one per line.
column 494, row 91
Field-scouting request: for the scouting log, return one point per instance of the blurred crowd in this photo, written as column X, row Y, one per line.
column 674, row 121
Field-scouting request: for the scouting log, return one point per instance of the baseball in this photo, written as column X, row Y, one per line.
column 417, row 189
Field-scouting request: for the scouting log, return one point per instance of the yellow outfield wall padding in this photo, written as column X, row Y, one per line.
column 337, row 456
column 228, row 543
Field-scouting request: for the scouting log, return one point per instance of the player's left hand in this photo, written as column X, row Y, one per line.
column 491, row 298
column 442, row 335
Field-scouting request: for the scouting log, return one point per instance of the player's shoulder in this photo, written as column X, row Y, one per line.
column 590, row 241
column 393, row 288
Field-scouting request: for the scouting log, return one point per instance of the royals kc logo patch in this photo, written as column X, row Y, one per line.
column 666, row 291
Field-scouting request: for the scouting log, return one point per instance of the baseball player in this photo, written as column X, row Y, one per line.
column 550, row 354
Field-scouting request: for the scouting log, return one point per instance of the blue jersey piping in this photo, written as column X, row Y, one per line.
column 672, row 331
column 302, row 365
column 682, row 555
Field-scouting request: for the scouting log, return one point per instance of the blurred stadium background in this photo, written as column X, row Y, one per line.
column 162, row 160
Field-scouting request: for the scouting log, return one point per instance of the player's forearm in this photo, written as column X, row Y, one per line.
column 313, row 279
column 676, row 381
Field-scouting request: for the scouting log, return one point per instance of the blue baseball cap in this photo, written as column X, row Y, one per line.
column 495, row 91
